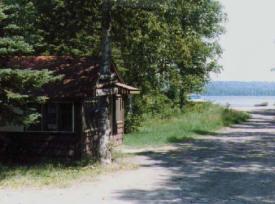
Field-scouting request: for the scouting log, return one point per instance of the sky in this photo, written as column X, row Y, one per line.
column 249, row 41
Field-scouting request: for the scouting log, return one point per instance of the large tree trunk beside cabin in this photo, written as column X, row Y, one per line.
column 104, row 152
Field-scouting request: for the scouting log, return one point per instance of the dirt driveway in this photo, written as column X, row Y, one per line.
column 235, row 165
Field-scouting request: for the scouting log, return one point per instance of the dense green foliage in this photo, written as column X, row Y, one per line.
column 165, row 48
column 199, row 119
column 16, row 86
column 18, row 35
column 169, row 53
column 235, row 88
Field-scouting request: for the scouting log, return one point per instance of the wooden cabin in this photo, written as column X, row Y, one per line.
column 69, row 124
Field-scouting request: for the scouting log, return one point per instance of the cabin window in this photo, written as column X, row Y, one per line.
column 55, row 117
column 65, row 122
column 58, row 117
column 51, row 117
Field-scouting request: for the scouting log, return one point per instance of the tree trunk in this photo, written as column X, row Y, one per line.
column 181, row 98
column 104, row 151
column 181, row 95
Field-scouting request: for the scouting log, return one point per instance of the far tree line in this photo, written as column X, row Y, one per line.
column 237, row 88
column 165, row 48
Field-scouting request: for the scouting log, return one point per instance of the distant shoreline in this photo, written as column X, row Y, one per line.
column 238, row 88
column 240, row 101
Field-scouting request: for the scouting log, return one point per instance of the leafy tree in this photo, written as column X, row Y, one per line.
column 16, row 85
column 169, row 51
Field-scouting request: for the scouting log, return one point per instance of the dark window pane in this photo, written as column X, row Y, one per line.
column 65, row 117
column 51, row 117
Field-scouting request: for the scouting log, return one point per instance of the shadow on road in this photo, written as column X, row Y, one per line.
column 233, row 167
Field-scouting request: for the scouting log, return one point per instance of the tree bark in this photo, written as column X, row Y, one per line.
column 104, row 151
column 181, row 95
column 181, row 98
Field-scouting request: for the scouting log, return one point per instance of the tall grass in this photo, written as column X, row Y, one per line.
column 198, row 119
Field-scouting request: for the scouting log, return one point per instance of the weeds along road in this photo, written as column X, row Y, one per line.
column 234, row 165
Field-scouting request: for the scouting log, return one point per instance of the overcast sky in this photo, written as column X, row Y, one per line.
column 249, row 42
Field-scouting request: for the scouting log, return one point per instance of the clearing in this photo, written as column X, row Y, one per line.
column 234, row 165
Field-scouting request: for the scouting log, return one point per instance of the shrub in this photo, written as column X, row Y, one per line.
column 230, row 116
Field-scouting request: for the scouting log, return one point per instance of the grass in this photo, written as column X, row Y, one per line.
column 200, row 119
column 55, row 174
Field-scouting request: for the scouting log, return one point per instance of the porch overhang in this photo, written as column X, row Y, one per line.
column 130, row 89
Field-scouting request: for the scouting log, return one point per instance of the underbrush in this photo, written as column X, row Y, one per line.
column 195, row 119
column 231, row 116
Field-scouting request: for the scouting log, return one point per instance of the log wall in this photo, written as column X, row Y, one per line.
column 118, row 137
column 27, row 146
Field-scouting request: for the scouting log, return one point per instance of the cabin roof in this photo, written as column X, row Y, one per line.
column 80, row 73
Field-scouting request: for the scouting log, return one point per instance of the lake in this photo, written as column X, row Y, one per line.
column 240, row 101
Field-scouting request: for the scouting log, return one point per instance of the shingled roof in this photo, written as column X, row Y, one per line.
column 80, row 73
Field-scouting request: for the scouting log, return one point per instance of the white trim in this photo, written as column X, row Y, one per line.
column 125, row 86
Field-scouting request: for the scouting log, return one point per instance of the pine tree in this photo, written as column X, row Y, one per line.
column 17, row 85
